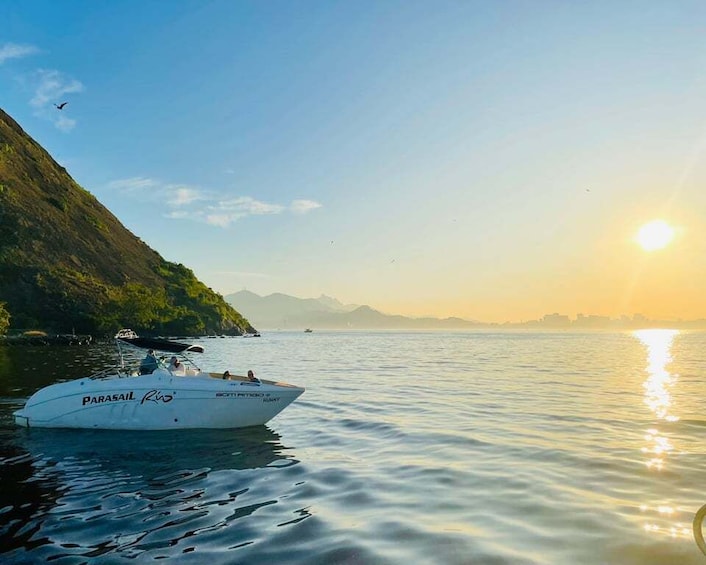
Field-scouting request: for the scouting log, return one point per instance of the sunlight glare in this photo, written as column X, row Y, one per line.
column 659, row 381
column 655, row 235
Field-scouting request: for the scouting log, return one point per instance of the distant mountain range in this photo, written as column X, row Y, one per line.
column 281, row 311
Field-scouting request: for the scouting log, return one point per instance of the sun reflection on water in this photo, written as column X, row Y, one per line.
column 658, row 399
column 657, row 392
column 659, row 345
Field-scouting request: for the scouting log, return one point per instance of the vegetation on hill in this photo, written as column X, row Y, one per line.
column 68, row 264
column 4, row 319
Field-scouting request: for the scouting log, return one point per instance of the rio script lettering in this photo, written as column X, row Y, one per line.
column 156, row 397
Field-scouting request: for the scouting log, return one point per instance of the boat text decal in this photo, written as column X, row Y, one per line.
column 242, row 394
column 156, row 397
column 264, row 395
column 108, row 398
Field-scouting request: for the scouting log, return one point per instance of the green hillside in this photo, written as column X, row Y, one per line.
column 66, row 263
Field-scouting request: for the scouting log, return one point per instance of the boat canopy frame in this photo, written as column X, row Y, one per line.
column 158, row 344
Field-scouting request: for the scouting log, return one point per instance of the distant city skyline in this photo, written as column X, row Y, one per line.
column 588, row 321
column 494, row 161
column 554, row 320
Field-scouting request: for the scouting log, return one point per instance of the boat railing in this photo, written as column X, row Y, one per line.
column 111, row 373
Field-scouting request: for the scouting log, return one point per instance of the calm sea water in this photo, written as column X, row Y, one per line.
column 483, row 448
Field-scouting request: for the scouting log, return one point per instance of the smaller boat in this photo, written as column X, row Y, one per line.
column 256, row 334
column 308, row 330
column 126, row 333
column 154, row 395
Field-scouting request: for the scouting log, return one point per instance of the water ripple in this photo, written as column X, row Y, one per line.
column 492, row 448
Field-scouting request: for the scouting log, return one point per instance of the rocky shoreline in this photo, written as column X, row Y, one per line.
column 47, row 339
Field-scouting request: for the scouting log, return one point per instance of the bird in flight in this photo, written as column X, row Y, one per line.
column 61, row 106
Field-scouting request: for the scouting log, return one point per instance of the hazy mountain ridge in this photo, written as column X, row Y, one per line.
column 67, row 263
column 281, row 311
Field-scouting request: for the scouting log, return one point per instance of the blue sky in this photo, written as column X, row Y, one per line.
column 491, row 160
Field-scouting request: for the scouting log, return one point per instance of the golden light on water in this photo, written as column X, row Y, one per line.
column 655, row 235
column 657, row 392
column 659, row 381
column 657, row 397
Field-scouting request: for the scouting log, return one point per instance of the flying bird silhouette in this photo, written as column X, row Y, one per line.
column 61, row 106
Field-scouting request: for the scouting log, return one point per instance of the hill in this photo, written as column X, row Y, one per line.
column 281, row 311
column 67, row 263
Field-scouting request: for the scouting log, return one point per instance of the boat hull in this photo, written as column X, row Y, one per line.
column 160, row 401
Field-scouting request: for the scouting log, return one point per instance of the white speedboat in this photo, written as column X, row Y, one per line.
column 174, row 396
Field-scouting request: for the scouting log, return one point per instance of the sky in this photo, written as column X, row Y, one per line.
column 488, row 160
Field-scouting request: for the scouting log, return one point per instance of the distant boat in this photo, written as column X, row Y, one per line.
column 256, row 334
column 308, row 330
column 126, row 333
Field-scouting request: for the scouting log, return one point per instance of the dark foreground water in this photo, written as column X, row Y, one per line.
column 482, row 448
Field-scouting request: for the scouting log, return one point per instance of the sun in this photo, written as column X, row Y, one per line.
column 655, row 235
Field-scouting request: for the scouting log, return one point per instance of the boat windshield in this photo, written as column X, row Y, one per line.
column 161, row 354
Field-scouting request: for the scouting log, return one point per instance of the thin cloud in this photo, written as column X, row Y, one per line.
column 183, row 195
column 226, row 212
column 303, row 206
column 51, row 86
column 48, row 86
column 184, row 202
column 248, row 206
column 219, row 220
column 15, row 51
column 174, row 195
column 132, row 184
column 64, row 124
column 177, row 214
